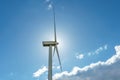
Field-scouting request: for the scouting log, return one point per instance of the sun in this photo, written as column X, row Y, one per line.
column 62, row 38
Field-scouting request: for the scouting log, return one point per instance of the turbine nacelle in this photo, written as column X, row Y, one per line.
column 49, row 43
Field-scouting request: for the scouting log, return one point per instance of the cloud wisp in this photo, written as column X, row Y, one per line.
column 40, row 72
column 50, row 4
column 97, row 51
column 47, row 0
column 108, row 70
column 80, row 56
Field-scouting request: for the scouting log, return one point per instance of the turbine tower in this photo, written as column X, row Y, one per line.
column 51, row 44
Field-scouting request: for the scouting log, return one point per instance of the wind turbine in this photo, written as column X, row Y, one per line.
column 51, row 44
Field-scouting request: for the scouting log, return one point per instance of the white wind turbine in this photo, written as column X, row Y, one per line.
column 51, row 44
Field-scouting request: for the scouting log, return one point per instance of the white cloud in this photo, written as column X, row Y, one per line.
column 108, row 70
column 49, row 6
column 58, row 67
column 105, row 47
column 40, row 72
column 11, row 74
column 97, row 51
column 80, row 56
column 47, row 0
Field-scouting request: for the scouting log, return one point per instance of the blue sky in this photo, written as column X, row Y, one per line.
column 88, row 32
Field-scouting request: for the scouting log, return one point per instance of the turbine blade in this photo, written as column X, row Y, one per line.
column 58, row 57
column 55, row 37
